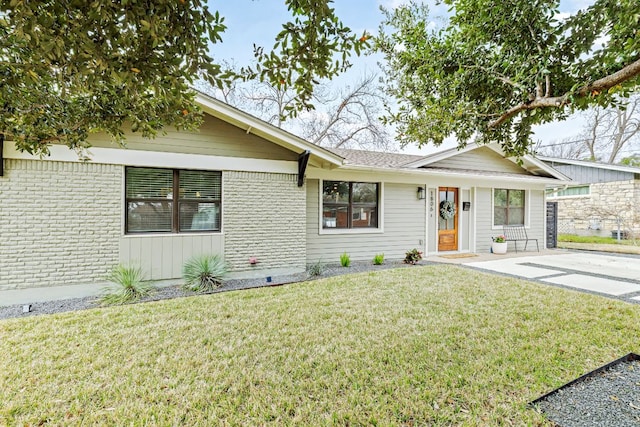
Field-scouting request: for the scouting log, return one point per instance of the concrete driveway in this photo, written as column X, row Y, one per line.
column 611, row 275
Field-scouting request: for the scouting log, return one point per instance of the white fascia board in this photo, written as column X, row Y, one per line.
column 250, row 124
column 587, row 164
column 547, row 168
column 127, row 157
column 411, row 176
column 537, row 163
column 428, row 160
column 442, row 155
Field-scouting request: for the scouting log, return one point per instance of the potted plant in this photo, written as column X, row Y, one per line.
column 499, row 244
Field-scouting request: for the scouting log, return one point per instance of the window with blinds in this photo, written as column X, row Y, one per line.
column 166, row 200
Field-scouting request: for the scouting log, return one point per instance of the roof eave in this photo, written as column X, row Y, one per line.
column 251, row 124
column 461, row 174
column 588, row 164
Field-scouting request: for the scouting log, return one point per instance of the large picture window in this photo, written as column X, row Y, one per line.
column 166, row 200
column 508, row 207
column 349, row 204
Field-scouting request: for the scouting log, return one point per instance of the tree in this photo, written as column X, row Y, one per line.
column 631, row 160
column 270, row 102
column 606, row 134
column 346, row 117
column 498, row 68
column 72, row 67
column 609, row 130
column 568, row 148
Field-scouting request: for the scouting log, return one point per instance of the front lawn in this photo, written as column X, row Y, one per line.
column 435, row 345
column 605, row 240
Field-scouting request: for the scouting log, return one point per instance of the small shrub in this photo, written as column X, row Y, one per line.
column 316, row 269
column 412, row 256
column 204, row 273
column 130, row 285
column 378, row 259
column 345, row 260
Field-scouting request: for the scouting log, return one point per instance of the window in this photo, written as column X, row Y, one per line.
column 581, row 190
column 166, row 200
column 508, row 207
column 349, row 204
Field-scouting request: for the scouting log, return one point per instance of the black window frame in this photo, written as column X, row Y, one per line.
column 175, row 200
column 351, row 205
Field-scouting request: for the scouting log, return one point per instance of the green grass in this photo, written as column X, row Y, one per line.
column 573, row 238
column 434, row 345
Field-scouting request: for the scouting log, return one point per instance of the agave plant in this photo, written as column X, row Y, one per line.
column 204, row 273
column 130, row 285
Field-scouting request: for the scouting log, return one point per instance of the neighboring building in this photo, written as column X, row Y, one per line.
column 600, row 197
column 245, row 189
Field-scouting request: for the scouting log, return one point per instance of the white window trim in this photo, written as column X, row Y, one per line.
column 571, row 196
column 329, row 231
column 527, row 207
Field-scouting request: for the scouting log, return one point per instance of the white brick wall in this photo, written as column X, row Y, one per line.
column 264, row 217
column 59, row 222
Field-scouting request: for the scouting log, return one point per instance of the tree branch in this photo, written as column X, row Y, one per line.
column 630, row 71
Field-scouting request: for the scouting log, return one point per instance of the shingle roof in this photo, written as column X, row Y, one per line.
column 375, row 158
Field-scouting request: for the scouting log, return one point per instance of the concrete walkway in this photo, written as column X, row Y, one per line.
column 612, row 275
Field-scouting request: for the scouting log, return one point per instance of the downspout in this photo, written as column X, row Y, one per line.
column 1, row 155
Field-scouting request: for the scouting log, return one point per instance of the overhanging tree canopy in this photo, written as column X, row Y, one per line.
column 500, row 67
column 72, row 67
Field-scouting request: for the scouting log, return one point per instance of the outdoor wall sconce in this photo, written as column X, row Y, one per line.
column 421, row 195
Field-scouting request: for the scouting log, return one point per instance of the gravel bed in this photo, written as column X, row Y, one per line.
column 610, row 398
column 177, row 291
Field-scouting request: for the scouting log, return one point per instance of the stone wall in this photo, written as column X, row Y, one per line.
column 264, row 217
column 597, row 212
column 59, row 222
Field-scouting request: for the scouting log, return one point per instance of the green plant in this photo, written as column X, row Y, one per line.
column 204, row 273
column 499, row 239
column 316, row 269
column 129, row 285
column 412, row 256
column 345, row 260
column 378, row 259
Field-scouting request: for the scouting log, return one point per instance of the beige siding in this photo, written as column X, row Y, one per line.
column 215, row 138
column 484, row 220
column 481, row 159
column 404, row 228
column 59, row 222
column 162, row 256
column 263, row 217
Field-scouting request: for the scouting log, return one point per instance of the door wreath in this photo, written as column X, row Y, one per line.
column 447, row 209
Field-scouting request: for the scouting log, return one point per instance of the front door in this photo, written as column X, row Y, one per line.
column 447, row 219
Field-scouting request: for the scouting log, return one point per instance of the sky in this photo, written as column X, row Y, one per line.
column 258, row 21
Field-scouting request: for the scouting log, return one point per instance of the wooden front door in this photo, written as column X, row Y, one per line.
column 447, row 219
